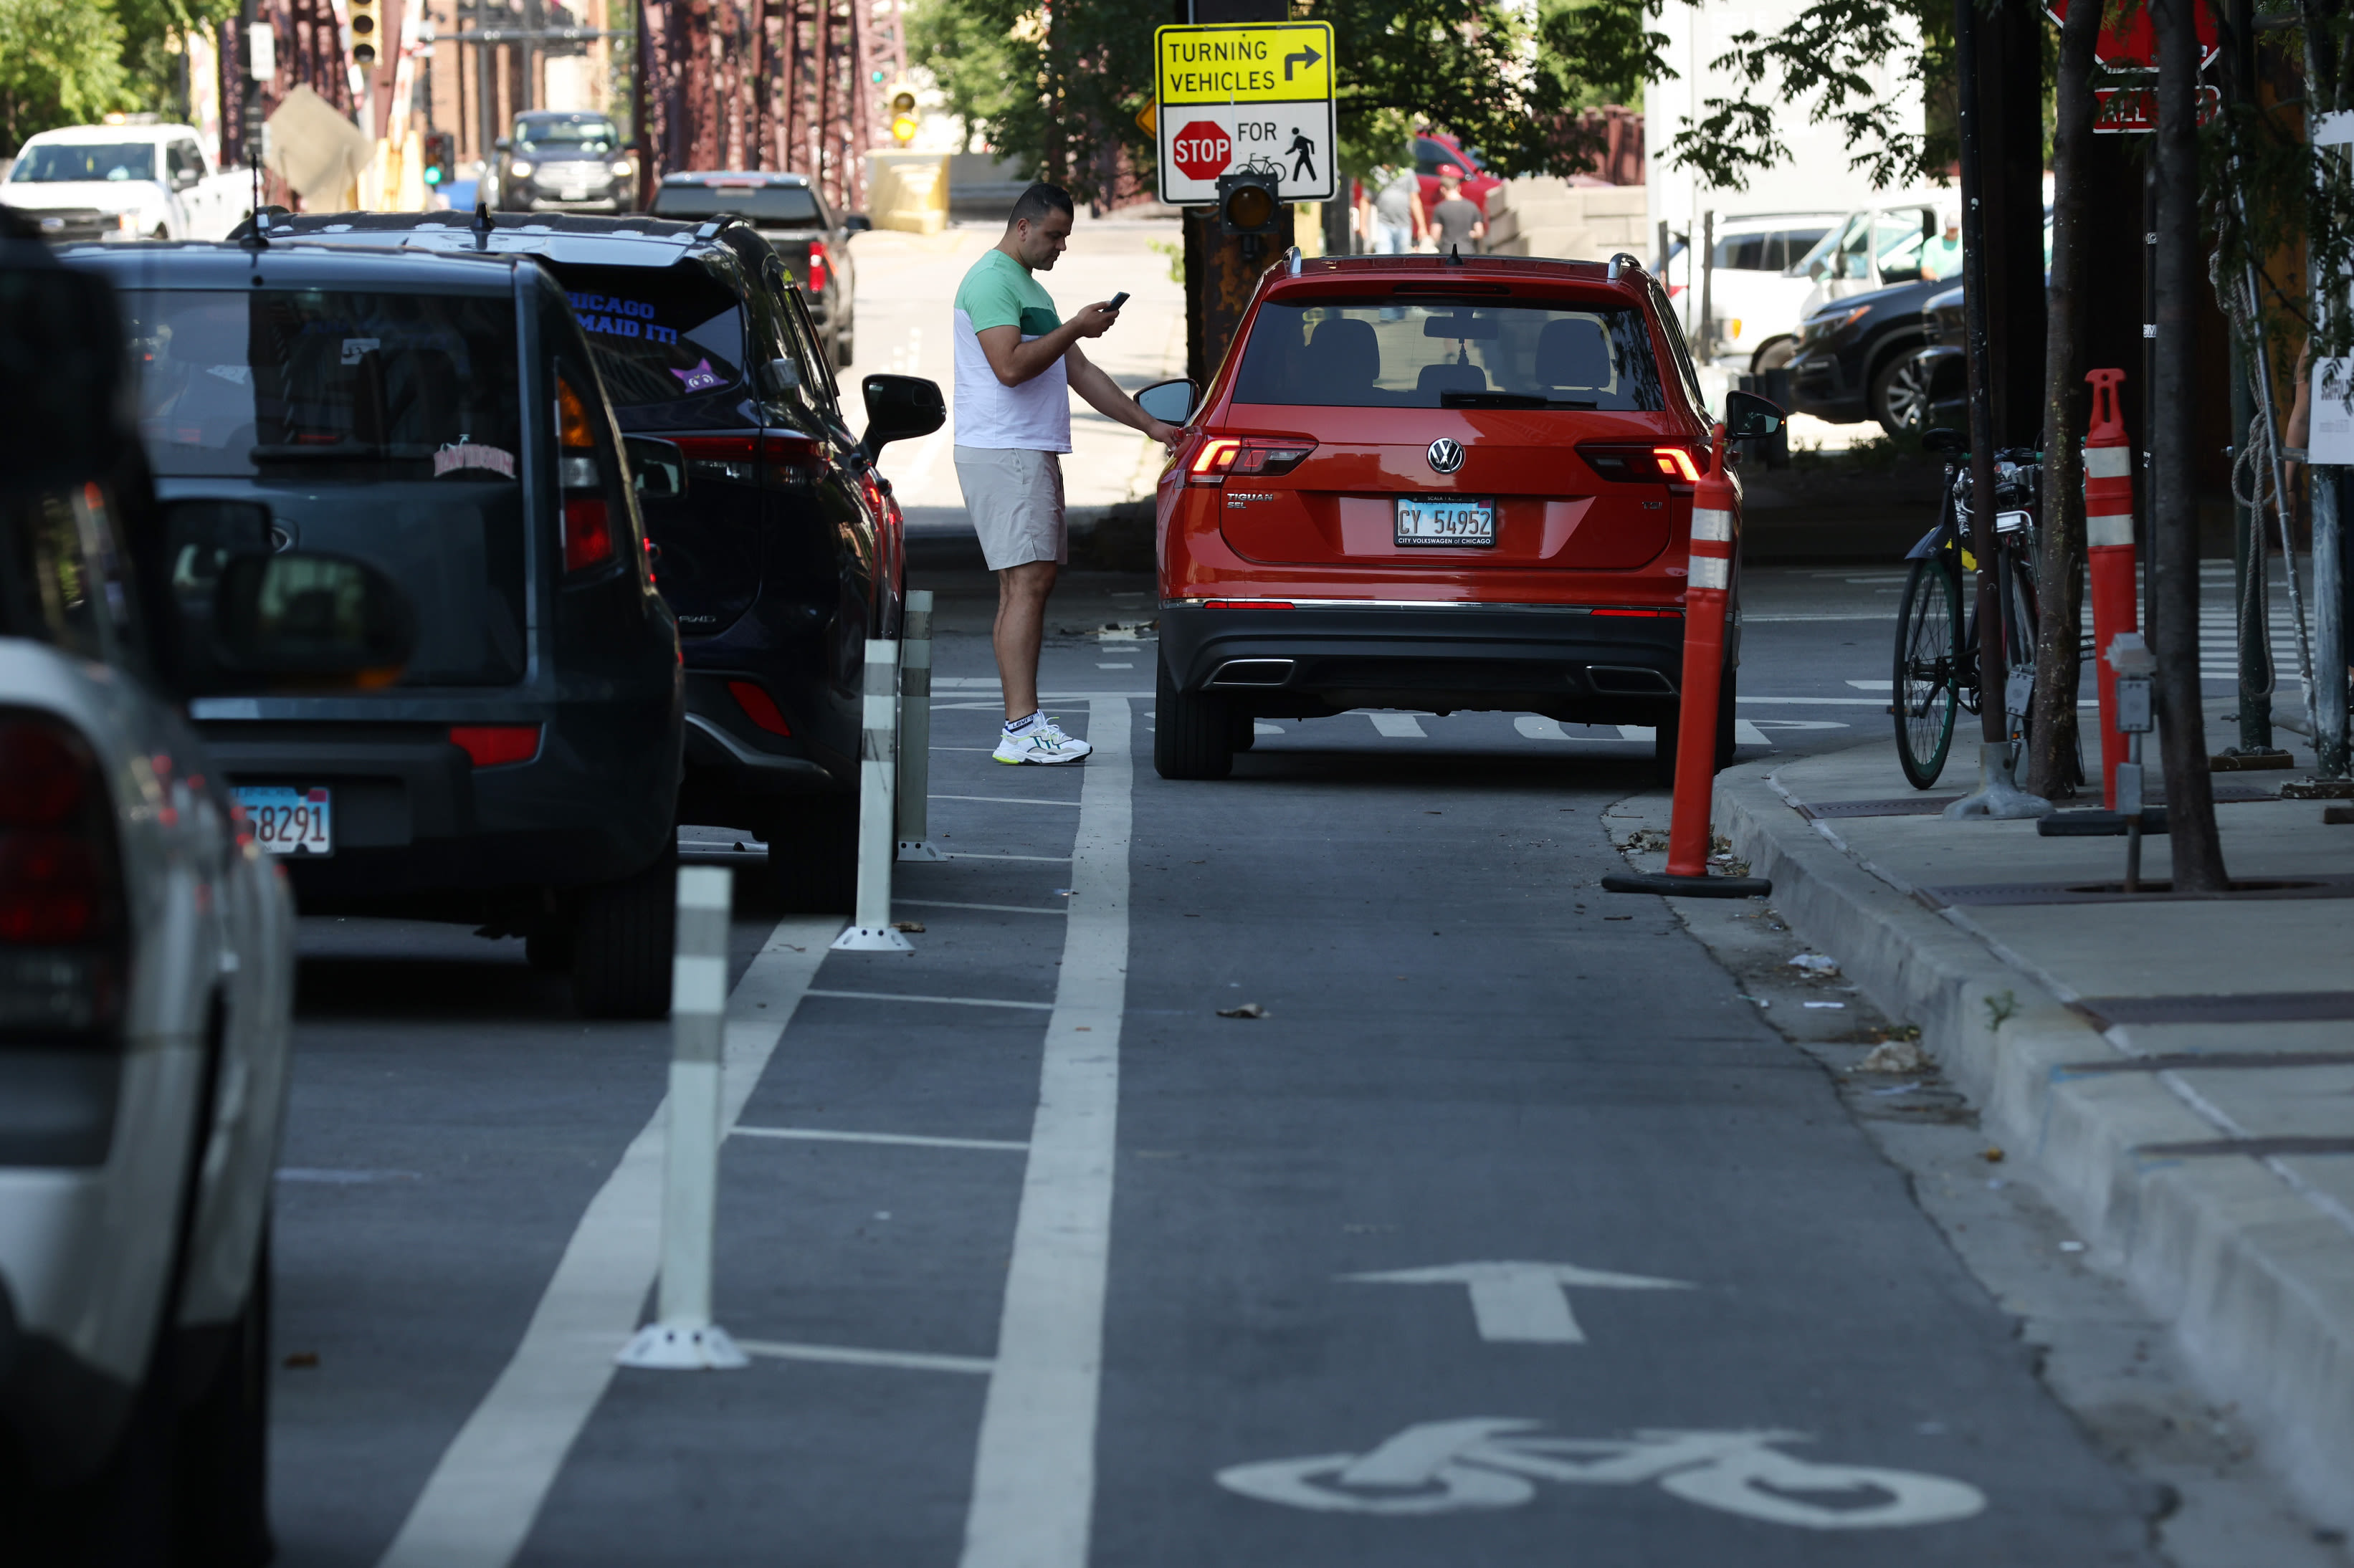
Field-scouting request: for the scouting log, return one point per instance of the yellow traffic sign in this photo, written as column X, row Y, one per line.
column 1146, row 119
column 1245, row 62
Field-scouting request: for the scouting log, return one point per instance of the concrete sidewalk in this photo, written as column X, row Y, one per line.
column 2178, row 1074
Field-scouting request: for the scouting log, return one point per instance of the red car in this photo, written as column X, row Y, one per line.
column 1424, row 485
column 1436, row 151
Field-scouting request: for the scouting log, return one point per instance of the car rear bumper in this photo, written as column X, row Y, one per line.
column 1583, row 665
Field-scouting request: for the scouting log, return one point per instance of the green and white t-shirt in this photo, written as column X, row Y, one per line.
column 1034, row 417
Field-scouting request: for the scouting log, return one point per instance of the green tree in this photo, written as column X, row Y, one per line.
column 59, row 65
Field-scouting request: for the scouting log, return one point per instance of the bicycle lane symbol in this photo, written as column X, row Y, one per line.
column 1483, row 1462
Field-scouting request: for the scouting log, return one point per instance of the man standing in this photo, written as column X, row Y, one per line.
column 1456, row 222
column 1398, row 220
column 1016, row 361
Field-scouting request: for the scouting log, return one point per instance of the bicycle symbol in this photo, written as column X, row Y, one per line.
column 1444, row 1466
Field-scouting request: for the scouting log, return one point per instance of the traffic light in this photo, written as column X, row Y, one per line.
column 363, row 25
column 903, row 117
column 1249, row 207
column 440, row 158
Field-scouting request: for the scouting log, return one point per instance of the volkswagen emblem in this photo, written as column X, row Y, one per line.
column 1446, row 456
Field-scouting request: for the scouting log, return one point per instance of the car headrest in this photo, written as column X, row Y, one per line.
column 1573, row 352
column 1344, row 351
column 1436, row 378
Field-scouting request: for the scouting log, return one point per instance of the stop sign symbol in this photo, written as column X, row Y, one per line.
column 1203, row 150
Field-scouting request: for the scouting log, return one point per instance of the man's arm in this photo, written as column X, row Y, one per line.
column 1091, row 382
column 1017, row 362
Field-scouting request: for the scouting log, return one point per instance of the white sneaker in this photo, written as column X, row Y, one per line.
column 1044, row 744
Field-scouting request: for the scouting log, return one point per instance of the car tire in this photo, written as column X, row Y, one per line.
column 548, row 941
column 221, row 1489
column 813, row 854
column 1241, row 731
column 621, row 947
column 1775, row 355
column 842, row 352
column 1663, row 737
column 1192, row 735
column 1900, row 395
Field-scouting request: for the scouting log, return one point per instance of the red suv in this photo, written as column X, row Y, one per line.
column 1422, row 483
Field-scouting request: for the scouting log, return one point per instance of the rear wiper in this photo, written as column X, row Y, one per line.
column 1508, row 400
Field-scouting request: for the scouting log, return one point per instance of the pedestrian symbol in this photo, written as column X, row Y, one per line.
column 1303, row 154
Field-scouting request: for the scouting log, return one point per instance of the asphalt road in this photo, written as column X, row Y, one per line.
column 1044, row 1262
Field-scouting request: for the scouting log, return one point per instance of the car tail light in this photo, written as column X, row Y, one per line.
column 733, row 460
column 758, row 706
column 496, row 745
column 64, row 943
column 587, row 523
column 817, row 267
column 1640, row 462
column 1250, row 455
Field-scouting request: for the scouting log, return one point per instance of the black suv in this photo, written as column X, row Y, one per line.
column 443, row 419
column 557, row 161
column 808, row 236
column 1855, row 357
column 773, row 537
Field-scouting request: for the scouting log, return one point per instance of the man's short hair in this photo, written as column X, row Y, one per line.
column 1039, row 200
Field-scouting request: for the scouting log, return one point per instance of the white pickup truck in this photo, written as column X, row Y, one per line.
column 124, row 182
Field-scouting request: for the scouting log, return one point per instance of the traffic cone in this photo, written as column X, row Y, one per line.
column 2109, row 541
column 1707, row 588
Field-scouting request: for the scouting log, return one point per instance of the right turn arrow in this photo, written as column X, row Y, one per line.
column 1307, row 57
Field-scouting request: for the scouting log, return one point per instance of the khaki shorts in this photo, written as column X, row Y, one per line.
column 1016, row 498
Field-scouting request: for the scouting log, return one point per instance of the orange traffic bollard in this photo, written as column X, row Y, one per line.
column 2109, row 540
column 1707, row 588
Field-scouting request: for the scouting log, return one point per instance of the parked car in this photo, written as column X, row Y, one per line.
column 1855, row 358
column 443, row 416
column 125, row 182
column 146, row 970
column 774, row 538
column 1899, row 240
column 808, row 236
column 1436, row 151
column 1940, row 372
column 1421, row 484
column 564, row 161
column 1755, row 290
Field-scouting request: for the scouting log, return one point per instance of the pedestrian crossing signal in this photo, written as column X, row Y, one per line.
column 440, row 158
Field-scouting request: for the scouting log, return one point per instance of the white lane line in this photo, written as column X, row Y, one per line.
column 911, row 1139
column 1748, row 619
column 977, row 855
column 478, row 1506
column 1004, row 800
column 1747, row 733
column 1034, row 1474
column 1815, row 701
column 940, row 1001
column 844, row 1355
column 1537, row 728
column 1641, row 732
column 1874, row 686
column 1260, row 726
column 1397, row 727
column 1001, row 909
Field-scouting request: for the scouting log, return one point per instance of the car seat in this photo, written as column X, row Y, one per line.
column 1446, row 378
column 1343, row 358
column 1572, row 355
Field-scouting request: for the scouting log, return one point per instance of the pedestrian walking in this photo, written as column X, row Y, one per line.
column 1456, row 222
column 1017, row 363
column 1399, row 223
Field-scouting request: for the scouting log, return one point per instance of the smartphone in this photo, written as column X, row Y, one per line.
column 1117, row 301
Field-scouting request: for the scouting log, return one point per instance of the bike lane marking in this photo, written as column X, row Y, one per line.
column 479, row 1505
column 1034, row 1477
column 1522, row 1303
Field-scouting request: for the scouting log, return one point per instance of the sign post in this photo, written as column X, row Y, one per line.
column 1245, row 98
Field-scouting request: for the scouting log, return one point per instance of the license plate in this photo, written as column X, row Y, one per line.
column 289, row 821
column 1429, row 520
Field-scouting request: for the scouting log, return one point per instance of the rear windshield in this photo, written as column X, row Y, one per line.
column 325, row 384
column 1439, row 354
column 659, row 335
column 54, row 161
column 582, row 136
column 771, row 206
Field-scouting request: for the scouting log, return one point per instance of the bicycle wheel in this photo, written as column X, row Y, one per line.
column 1782, row 1489
column 1929, row 650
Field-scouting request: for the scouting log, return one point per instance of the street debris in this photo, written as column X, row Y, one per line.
column 1991, row 1155
column 1895, row 1057
column 303, row 1358
column 1247, row 1009
column 1822, row 966
column 909, row 926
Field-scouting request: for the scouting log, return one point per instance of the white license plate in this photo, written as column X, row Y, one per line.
column 289, row 821
column 1429, row 520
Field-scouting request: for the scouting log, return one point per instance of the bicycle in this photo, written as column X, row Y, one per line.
column 1937, row 639
column 1449, row 1467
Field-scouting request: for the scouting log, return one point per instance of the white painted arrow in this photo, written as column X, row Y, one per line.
column 1522, row 1303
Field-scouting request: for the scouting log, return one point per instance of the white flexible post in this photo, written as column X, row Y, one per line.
column 682, row 1338
column 870, row 926
column 916, row 730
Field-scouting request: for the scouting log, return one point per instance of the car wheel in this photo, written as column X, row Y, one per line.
column 548, row 942
column 813, row 854
column 841, row 351
column 1663, row 737
column 1242, row 731
column 621, row 947
column 1774, row 355
column 222, row 1488
column 1901, row 394
column 1191, row 734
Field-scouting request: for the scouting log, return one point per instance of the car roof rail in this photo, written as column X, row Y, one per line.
column 1291, row 262
column 1623, row 260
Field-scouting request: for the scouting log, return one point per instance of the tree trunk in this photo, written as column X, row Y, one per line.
column 2060, row 560
column 2197, row 852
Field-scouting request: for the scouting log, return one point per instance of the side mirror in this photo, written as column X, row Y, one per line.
column 501, row 145
column 312, row 619
column 1749, row 418
column 899, row 407
column 1943, row 441
column 856, row 223
column 1816, row 269
column 1171, row 402
column 656, row 467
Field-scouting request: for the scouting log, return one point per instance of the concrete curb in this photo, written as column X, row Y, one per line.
column 2256, row 1277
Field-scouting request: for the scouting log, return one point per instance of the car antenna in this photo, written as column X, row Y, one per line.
column 1291, row 259
column 1454, row 254
column 482, row 226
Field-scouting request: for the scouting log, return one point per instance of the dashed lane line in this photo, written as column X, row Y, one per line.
column 907, row 1139
column 938, row 1000
column 1033, row 1480
column 477, row 1508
